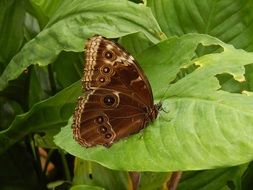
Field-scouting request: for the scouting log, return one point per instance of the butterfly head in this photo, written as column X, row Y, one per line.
column 154, row 111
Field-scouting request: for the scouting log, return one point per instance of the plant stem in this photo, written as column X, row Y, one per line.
column 65, row 166
column 174, row 180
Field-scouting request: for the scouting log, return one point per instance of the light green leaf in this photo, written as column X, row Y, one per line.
column 200, row 127
column 73, row 23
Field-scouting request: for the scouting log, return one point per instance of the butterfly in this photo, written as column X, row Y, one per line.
column 117, row 99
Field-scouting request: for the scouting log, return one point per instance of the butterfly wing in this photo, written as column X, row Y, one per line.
column 118, row 99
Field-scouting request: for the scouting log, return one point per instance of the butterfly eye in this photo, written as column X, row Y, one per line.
column 102, row 129
column 109, row 100
column 106, row 70
column 99, row 120
column 109, row 55
column 102, row 79
column 108, row 135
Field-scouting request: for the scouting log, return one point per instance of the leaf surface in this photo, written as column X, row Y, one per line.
column 229, row 20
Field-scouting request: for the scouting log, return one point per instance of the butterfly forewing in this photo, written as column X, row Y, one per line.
column 117, row 99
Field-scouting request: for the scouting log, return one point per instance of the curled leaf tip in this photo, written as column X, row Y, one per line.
column 247, row 93
column 240, row 78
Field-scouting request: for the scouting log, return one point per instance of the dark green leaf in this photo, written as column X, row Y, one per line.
column 246, row 180
column 225, row 178
column 153, row 180
column 11, row 29
column 45, row 116
column 8, row 110
column 68, row 68
column 90, row 173
column 39, row 87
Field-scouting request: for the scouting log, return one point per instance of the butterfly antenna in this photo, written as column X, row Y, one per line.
column 159, row 105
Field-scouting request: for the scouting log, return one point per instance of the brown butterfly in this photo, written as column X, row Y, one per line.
column 117, row 100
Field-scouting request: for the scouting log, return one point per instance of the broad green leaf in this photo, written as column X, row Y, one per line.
column 201, row 126
column 135, row 43
column 228, row 20
column 42, row 9
column 91, row 173
column 217, row 179
column 11, row 29
column 73, row 23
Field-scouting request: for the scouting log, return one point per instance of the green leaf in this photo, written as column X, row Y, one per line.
column 249, row 77
column 86, row 187
column 73, row 23
column 201, row 126
column 153, row 180
column 42, row 9
column 91, row 173
column 230, row 20
column 228, row 83
column 247, row 177
column 11, row 29
column 39, row 86
column 135, row 43
column 229, row 178
column 8, row 110
column 68, row 68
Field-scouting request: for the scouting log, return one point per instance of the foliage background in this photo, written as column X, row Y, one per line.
column 199, row 51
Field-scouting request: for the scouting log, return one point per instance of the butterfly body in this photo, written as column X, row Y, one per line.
column 117, row 100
